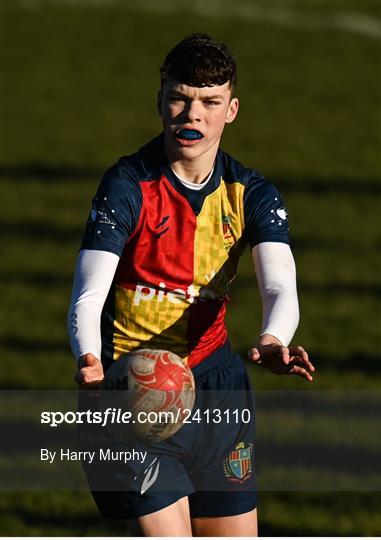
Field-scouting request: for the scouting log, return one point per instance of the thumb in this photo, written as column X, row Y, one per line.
column 254, row 354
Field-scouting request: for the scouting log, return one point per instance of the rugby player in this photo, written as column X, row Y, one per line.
column 164, row 236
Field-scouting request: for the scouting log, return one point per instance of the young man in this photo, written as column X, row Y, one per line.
column 162, row 243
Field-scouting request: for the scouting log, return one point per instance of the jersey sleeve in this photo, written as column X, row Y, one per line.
column 115, row 211
column 265, row 213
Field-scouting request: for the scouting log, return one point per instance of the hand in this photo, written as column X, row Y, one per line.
column 90, row 373
column 282, row 360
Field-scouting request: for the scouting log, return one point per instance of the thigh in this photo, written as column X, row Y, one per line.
column 239, row 525
column 224, row 473
column 174, row 520
column 129, row 481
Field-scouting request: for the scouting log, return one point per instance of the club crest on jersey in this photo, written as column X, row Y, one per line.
column 100, row 216
column 238, row 465
column 227, row 232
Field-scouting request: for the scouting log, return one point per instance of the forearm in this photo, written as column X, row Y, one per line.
column 93, row 276
column 275, row 269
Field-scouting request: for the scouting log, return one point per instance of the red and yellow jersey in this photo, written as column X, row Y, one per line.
column 179, row 249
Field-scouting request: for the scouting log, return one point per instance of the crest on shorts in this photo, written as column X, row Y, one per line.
column 238, row 465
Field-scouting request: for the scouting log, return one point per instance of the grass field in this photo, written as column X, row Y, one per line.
column 79, row 91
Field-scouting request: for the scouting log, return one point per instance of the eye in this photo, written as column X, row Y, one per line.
column 211, row 102
column 176, row 98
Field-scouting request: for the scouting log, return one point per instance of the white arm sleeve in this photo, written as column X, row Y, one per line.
column 276, row 275
column 93, row 276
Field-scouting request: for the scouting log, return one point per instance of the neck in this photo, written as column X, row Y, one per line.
column 192, row 170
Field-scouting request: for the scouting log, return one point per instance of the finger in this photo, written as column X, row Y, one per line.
column 310, row 366
column 91, row 384
column 301, row 372
column 91, row 379
column 88, row 375
column 299, row 351
column 303, row 358
column 285, row 355
column 88, row 384
column 254, row 354
column 304, row 354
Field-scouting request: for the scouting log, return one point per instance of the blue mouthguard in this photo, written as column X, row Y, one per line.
column 190, row 134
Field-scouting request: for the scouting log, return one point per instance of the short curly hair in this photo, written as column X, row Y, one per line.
column 198, row 60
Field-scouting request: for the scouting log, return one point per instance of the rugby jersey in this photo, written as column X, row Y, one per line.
column 179, row 249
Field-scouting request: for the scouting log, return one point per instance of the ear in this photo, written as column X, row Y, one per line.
column 159, row 101
column 232, row 110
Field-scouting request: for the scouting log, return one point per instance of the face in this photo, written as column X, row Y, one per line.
column 194, row 118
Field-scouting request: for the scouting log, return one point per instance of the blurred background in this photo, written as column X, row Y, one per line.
column 79, row 90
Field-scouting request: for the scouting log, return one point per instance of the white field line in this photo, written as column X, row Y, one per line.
column 278, row 12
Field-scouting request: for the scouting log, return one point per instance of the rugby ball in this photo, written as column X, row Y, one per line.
column 156, row 387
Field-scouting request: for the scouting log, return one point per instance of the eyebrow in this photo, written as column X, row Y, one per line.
column 216, row 96
column 178, row 93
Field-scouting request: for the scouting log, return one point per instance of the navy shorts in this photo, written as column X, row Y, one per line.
column 210, row 459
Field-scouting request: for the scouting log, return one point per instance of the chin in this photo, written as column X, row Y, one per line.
column 189, row 152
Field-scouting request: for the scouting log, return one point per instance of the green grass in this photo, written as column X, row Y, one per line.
column 79, row 91
column 302, row 514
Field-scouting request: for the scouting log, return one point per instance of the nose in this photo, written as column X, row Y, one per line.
column 192, row 111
